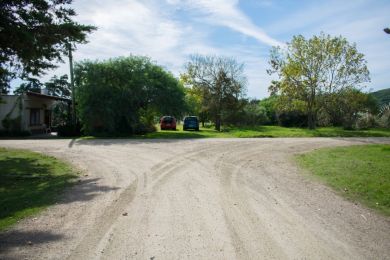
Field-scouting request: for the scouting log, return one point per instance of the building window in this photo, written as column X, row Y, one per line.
column 35, row 116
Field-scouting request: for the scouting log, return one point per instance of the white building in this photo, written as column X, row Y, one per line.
column 29, row 111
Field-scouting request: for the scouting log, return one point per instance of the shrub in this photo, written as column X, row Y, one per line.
column 69, row 130
column 384, row 116
column 365, row 121
column 5, row 133
column 292, row 119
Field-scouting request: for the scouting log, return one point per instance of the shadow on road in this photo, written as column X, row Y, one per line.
column 16, row 238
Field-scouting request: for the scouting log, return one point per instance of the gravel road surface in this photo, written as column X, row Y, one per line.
column 196, row 199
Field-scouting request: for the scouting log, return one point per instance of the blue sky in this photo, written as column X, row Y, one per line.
column 169, row 31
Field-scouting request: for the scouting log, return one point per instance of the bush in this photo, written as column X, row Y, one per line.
column 12, row 124
column 365, row 121
column 292, row 119
column 5, row 133
column 69, row 130
column 384, row 116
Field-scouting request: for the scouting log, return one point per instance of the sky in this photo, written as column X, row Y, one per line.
column 169, row 31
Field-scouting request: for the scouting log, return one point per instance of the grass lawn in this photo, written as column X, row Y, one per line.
column 28, row 183
column 266, row 131
column 360, row 173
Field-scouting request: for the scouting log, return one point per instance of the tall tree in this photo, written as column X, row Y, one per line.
column 34, row 34
column 221, row 82
column 308, row 68
column 123, row 95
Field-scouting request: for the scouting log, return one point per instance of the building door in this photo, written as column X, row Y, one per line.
column 48, row 118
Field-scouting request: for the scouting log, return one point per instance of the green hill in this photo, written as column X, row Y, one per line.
column 383, row 96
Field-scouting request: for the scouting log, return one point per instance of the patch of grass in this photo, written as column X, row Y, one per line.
column 360, row 173
column 267, row 131
column 256, row 132
column 29, row 182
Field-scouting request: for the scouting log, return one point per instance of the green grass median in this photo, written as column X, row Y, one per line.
column 360, row 173
column 29, row 182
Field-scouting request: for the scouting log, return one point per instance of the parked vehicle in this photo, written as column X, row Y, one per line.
column 191, row 122
column 168, row 122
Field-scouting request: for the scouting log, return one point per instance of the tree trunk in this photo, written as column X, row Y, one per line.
column 310, row 120
column 218, row 123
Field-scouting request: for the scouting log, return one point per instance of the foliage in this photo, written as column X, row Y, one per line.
column 13, row 126
column 68, row 130
column 270, row 106
column 309, row 68
column 31, row 85
column 29, row 182
column 383, row 96
column 122, row 96
column 249, row 113
column 360, row 173
column 59, row 86
column 34, row 35
column 384, row 116
column 194, row 105
column 220, row 83
column 366, row 121
column 292, row 118
column 350, row 102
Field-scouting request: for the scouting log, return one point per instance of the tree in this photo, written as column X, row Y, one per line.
column 59, row 86
column 350, row 103
column 122, row 96
column 56, row 86
column 269, row 105
column 32, row 85
column 308, row 68
column 34, row 34
column 220, row 82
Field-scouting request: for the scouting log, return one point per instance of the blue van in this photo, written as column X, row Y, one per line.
column 191, row 122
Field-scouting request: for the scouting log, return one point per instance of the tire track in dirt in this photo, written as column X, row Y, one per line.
column 204, row 199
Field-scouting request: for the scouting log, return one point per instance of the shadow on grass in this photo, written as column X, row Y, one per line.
column 31, row 184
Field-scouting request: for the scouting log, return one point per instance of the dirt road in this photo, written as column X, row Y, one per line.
column 196, row 199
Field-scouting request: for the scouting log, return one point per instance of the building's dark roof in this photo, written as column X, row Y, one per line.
column 34, row 94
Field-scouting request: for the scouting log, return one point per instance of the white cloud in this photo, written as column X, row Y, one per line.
column 169, row 31
column 360, row 21
column 226, row 13
column 148, row 28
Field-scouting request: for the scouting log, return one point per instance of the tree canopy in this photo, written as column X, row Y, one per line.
column 34, row 34
column 310, row 68
column 220, row 82
column 124, row 95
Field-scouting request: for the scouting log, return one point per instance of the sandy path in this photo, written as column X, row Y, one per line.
column 196, row 199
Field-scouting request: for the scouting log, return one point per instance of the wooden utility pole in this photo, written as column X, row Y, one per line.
column 72, row 84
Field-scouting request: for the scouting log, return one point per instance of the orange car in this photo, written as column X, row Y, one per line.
column 168, row 122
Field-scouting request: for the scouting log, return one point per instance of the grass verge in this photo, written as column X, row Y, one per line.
column 29, row 183
column 266, row 131
column 360, row 173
